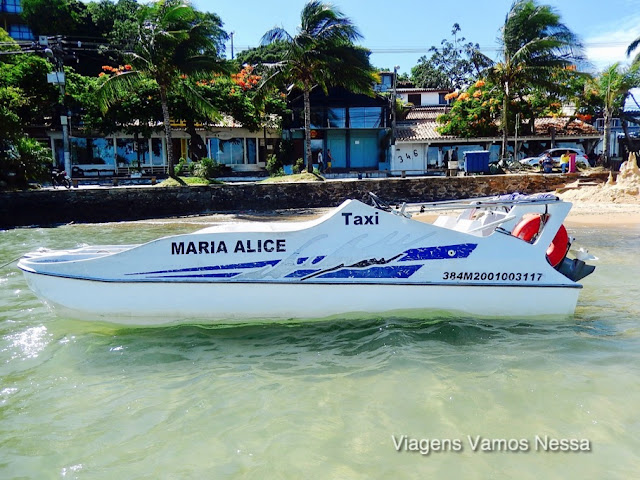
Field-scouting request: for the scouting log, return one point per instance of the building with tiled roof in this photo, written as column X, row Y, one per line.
column 420, row 147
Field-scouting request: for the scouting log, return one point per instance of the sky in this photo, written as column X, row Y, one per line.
column 399, row 33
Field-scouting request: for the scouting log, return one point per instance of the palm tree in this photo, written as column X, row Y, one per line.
column 533, row 42
column 611, row 89
column 322, row 54
column 632, row 46
column 172, row 41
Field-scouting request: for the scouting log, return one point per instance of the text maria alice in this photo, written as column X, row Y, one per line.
column 478, row 443
column 235, row 246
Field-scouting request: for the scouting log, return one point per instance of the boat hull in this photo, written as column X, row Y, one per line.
column 162, row 303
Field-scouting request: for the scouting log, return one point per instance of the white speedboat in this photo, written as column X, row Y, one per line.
column 499, row 257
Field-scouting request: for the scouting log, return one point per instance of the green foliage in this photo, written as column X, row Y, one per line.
column 208, row 168
column 271, row 53
column 68, row 17
column 177, row 169
column 452, row 66
column 609, row 91
column 298, row 166
column 11, row 100
column 274, row 166
column 534, row 43
column 187, row 181
column 172, row 41
column 23, row 161
column 298, row 177
column 473, row 113
column 249, row 105
column 25, row 96
column 285, row 152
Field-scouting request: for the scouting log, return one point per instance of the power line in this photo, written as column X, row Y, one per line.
column 421, row 49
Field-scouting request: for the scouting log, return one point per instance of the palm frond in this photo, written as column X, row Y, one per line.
column 276, row 34
column 117, row 88
column 632, row 46
column 196, row 101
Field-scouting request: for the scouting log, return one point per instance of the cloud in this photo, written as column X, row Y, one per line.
column 609, row 43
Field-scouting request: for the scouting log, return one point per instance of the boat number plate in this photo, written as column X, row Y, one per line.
column 493, row 276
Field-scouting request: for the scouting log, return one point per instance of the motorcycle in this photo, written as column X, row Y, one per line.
column 59, row 177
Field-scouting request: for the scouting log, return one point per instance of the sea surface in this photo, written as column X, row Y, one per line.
column 354, row 399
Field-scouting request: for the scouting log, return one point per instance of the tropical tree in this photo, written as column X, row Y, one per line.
column 533, row 43
column 62, row 17
column 173, row 42
column 322, row 54
column 452, row 66
column 610, row 90
column 473, row 112
column 24, row 99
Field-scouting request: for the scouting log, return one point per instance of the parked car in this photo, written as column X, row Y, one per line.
column 581, row 159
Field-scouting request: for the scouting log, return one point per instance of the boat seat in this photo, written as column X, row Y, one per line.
column 464, row 225
column 445, row 221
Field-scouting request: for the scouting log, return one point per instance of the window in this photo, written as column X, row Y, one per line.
column 229, row 152
column 365, row 117
column 11, row 6
column 251, row 150
column 92, row 151
column 126, row 153
column 20, row 32
column 157, row 152
column 441, row 99
column 317, row 118
column 337, row 118
column 415, row 98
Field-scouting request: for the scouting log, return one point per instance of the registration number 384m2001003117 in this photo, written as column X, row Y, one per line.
column 493, row 276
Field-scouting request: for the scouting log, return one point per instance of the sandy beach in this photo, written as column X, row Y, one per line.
column 595, row 203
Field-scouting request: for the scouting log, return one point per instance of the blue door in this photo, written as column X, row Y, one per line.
column 337, row 143
column 364, row 149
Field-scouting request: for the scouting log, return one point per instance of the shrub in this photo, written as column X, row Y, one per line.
column 208, row 168
column 298, row 167
column 274, row 166
column 177, row 168
column 25, row 160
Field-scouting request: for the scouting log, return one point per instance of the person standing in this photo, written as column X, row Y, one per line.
column 454, row 155
column 564, row 161
column 320, row 163
column 329, row 160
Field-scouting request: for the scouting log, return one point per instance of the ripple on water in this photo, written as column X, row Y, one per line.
column 316, row 400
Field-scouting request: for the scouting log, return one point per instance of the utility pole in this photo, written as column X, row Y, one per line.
column 231, row 36
column 393, row 105
column 515, row 141
column 54, row 53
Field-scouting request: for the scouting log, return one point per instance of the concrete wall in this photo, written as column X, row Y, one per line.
column 49, row 207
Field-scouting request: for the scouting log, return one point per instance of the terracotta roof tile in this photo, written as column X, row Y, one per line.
column 418, row 131
column 426, row 113
column 421, row 125
column 543, row 126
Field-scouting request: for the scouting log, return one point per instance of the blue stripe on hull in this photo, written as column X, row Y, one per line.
column 439, row 253
column 404, row 271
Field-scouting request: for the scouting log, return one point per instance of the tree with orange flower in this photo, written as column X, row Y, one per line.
column 173, row 41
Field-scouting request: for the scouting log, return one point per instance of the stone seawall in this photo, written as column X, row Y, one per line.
column 50, row 207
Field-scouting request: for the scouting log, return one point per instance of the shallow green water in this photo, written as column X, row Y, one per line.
column 319, row 400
